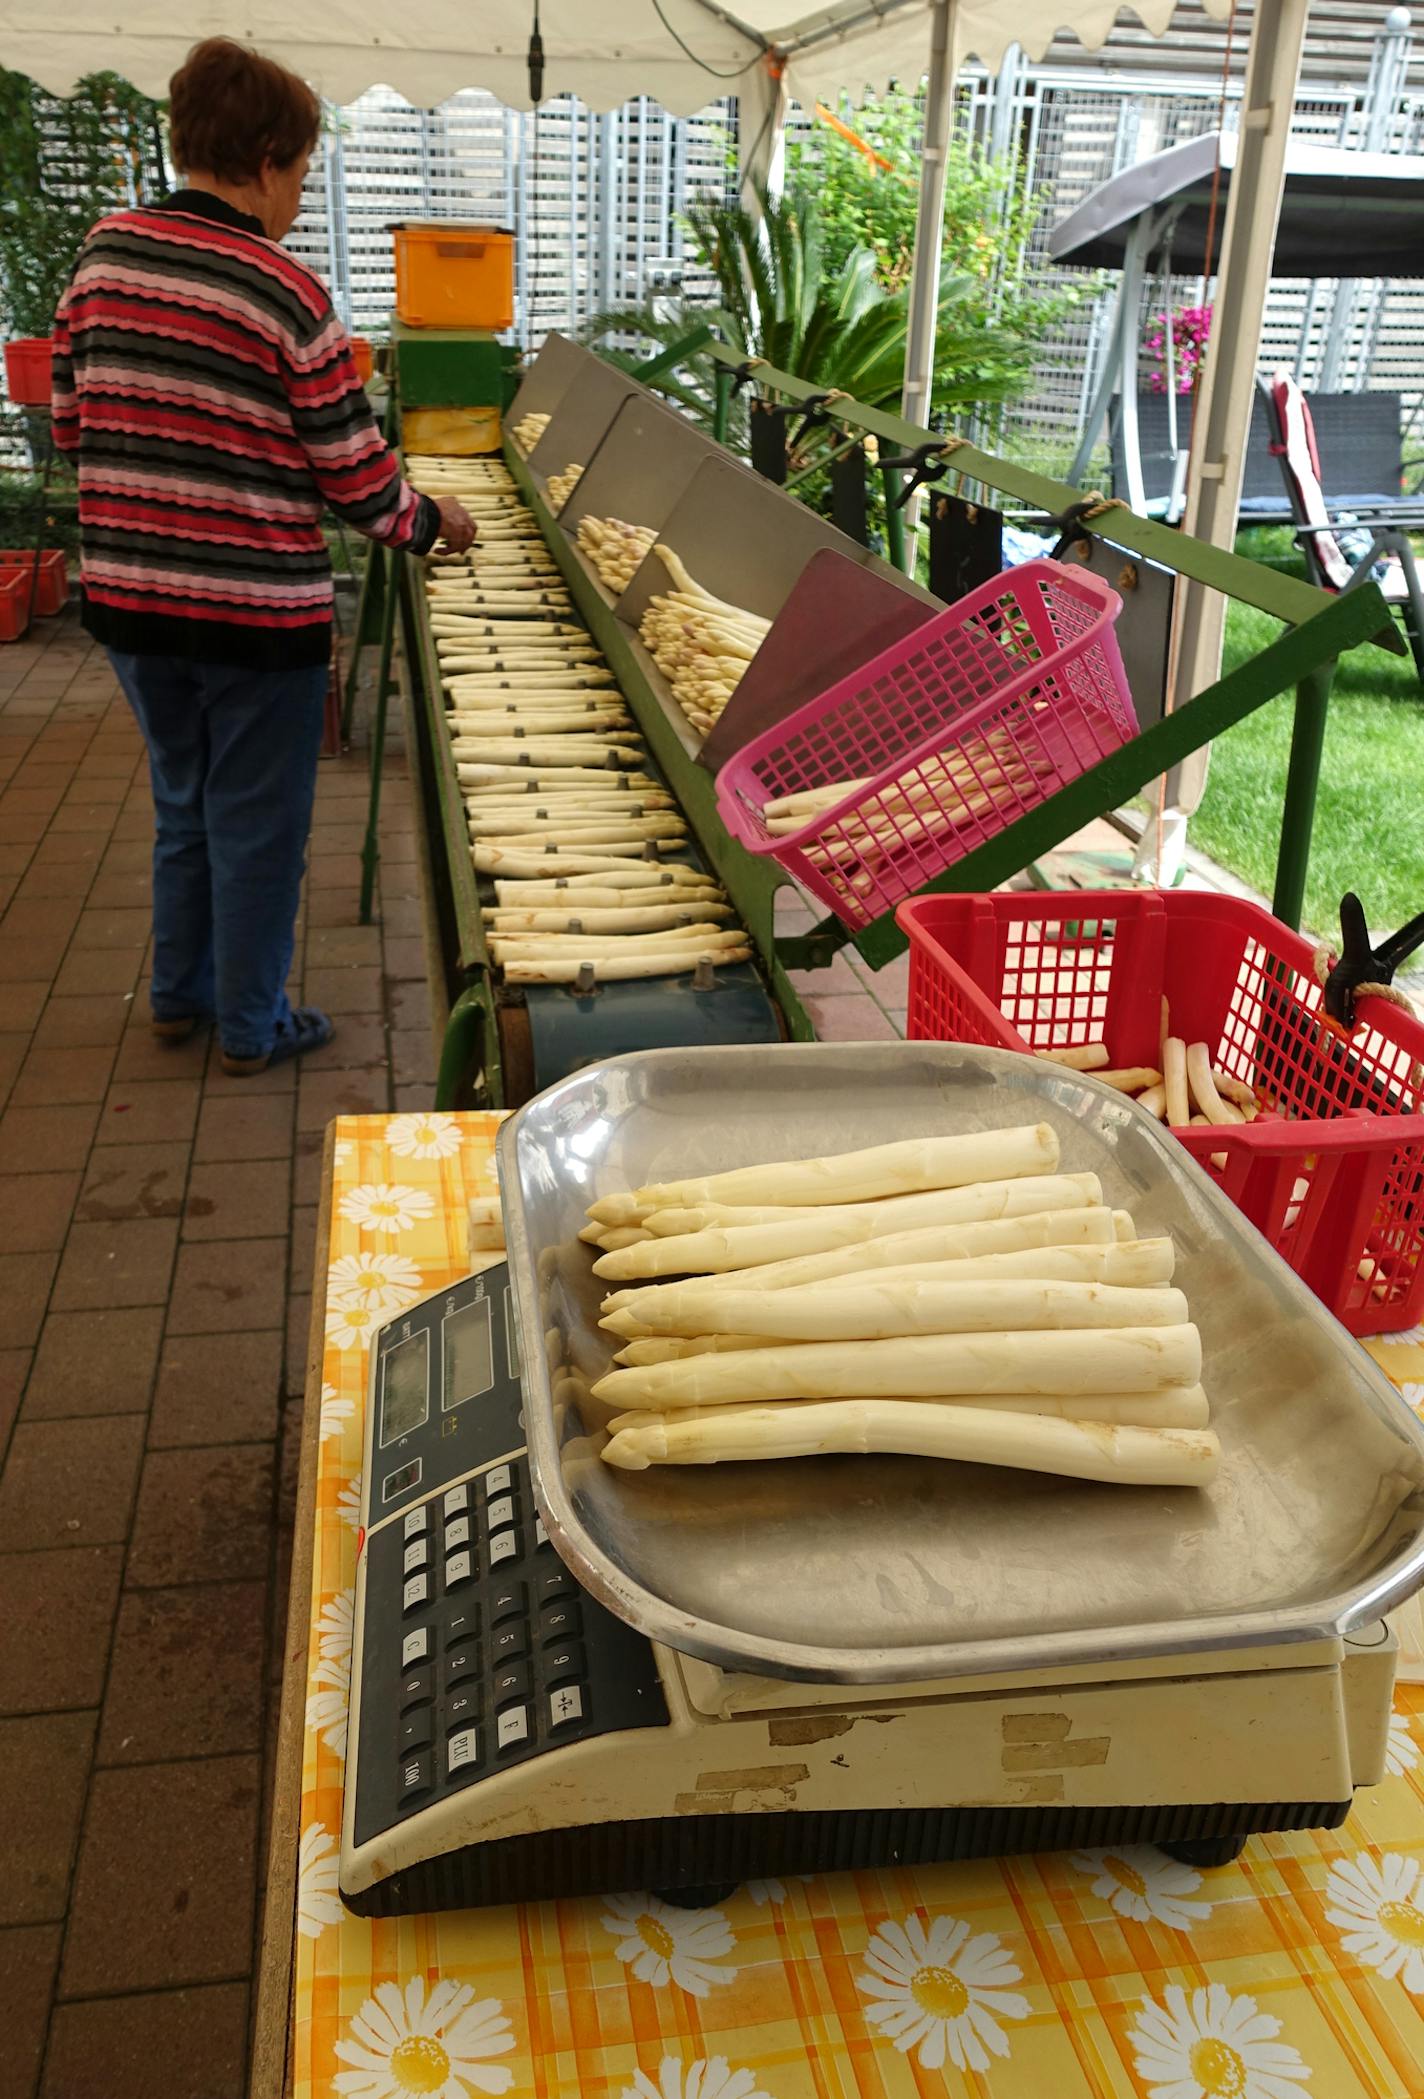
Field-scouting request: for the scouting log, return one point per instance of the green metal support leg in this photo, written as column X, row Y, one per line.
column 460, row 1047
column 368, row 610
column 371, row 851
column 894, row 521
column 1312, row 704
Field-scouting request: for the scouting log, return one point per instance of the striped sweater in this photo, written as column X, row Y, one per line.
column 210, row 395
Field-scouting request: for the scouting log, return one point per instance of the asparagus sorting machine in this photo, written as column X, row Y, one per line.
column 832, row 604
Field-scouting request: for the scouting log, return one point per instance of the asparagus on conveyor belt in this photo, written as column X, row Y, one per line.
column 954, row 1297
column 578, row 839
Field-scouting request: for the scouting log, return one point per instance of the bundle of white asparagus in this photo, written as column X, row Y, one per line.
column 617, row 550
column 701, row 644
column 578, row 836
column 951, row 1297
column 561, row 487
column 528, row 431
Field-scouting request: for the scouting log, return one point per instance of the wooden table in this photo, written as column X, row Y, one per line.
column 1297, row 1973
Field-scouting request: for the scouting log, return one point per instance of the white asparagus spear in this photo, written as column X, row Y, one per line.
column 975, row 1435
column 676, row 1348
column 1180, row 1406
column 1121, row 1359
column 845, row 1310
column 1133, row 1078
column 881, row 1169
column 1088, row 1056
column 1203, row 1087
column 624, row 1235
column 590, row 947
column 652, row 918
column 1235, row 1090
column 521, row 898
column 725, row 1249
column 640, row 878
column 899, row 1213
column 1174, row 1077
column 669, row 962
column 495, row 860
column 1154, row 1100
column 1145, row 1264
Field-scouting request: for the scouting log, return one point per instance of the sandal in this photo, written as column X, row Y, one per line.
column 307, row 1029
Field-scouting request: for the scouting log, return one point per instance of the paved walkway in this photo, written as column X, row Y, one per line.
column 156, row 1233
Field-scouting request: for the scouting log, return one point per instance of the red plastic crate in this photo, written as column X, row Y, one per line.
column 942, row 741
column 1032, row 972
column 14, row 605
column 50, row 581
column 28, row 361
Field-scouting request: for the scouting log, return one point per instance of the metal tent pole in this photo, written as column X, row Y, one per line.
column 929, row 234
column 1223, row 413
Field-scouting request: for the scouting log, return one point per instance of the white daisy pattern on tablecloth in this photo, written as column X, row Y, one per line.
column 348, row 1503
column 380, row 1282
column 763, row 1892
column 1143, row 1883
column 1401, row 1750
column 1408, row 1337
column 386, row 1206
column 440, row 2046
column 1374, row 1903
column 329, row 1706
column 662, row 1944
column 318, row 1870
column 335, row 1413
column 341, row 1151
column 707, row 2078
column 1212, row 2044
column 352, row 1326
column 336, row 1627
column 1413, row 1396
column 423, row 1136
column 940, row 1992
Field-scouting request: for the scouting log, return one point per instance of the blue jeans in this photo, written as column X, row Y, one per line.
column 232, row 755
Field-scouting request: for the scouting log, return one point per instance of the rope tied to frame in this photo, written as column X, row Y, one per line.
column 1095, row 504
column 1324, row 962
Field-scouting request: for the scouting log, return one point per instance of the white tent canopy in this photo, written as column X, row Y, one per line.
column 603, row 51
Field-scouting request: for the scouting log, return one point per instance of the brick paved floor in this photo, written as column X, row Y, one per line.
column 157, row 1224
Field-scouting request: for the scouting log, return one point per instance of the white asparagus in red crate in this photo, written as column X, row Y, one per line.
column 1203, row 1087
column 1121, row 1359
column 1174, row 1078
column 1088, row 1056
column 977, row 1435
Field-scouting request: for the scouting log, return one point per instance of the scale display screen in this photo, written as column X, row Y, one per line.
column 468, row 1338
column 405, row 1387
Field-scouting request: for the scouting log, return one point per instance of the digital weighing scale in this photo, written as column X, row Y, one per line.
column 795, row 1668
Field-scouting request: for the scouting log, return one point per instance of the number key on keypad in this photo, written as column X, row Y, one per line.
column 457, row 1500
column 508, row 1643
column 511, row 1681
column 462, row 1625
column 457, row 1533
column 458, row 1570
column 461, row 1708
column 504, row 1545
column 416, row 1591
column 415, row 1647
column 554, row 1585
column 512, row 1601
column 417, row 1555
column 562, row 1623
column 416, row 1521
column 498, row 1480
column 461, row 1666
column 500, row 1512
column 417, row 1686
column 563, row 1662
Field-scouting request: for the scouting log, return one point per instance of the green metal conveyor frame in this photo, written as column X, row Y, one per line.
column 1318, row 628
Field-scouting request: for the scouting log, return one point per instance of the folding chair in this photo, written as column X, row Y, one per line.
column 1329, row 566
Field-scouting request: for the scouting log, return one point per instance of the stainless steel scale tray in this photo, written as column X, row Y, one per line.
column 887, row 1569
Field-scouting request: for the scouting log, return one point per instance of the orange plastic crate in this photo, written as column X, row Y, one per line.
column 453, row 275
column 14, row 604
column 50, row 582
column 27, row 370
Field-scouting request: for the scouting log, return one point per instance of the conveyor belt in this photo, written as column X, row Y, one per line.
column 545, row 1031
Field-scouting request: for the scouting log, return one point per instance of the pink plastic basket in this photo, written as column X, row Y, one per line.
column 942, row 741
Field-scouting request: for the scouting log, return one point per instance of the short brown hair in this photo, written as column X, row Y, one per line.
column 230, row 109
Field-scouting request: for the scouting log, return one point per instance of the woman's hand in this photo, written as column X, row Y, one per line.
column 458, row 529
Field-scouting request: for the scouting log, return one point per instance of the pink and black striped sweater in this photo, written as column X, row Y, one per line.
column 210, row 394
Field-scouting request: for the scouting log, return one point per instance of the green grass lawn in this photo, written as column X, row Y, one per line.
column 1368, row 836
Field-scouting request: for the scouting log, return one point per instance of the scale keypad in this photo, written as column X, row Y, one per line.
column 481, row 1650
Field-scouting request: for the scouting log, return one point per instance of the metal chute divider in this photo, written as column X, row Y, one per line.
column 580, row 421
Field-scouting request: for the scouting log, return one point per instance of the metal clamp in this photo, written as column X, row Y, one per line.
column 1364, row 971
column 922, row 465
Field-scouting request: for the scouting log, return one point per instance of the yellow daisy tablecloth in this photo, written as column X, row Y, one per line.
column 1297, row 1973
